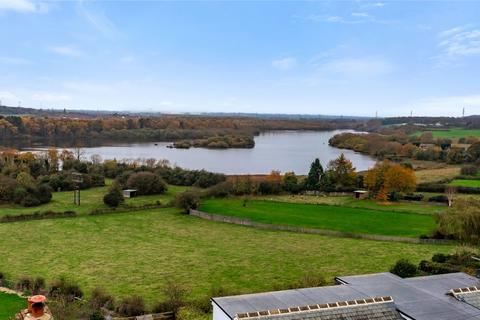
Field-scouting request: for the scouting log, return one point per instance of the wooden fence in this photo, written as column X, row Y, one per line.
column 250, row 223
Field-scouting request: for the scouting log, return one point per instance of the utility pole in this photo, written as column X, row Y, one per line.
column 463, row 112
column 411, row 113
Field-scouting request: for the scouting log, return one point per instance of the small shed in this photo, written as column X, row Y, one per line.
column 129, row 193
column 360, row 194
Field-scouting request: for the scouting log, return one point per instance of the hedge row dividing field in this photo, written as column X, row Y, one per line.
column 136, row 253
column 338, row 218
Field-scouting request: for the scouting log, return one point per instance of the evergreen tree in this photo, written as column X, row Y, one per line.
column 315, row 175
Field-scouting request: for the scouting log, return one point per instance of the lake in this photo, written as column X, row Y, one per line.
column 277, row 150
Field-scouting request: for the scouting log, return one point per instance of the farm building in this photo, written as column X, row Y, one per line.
column 360, row 194
column 129, row 193
column 367, row 297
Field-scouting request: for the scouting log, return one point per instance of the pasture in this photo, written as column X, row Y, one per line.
column 465, row 183
column 10, row 304
column 135, row 253
column 90, row 199
column 338, row 218
column 454, row 133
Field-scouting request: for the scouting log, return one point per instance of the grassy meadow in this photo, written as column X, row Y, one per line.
column 454, row 133
column 137, row 252
column 321, row 216
column 10, row 304
column 465, row 183
column 90, row 199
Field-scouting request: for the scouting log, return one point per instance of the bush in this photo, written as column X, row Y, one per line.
column 439, row 257
column 19, row 194
column 404, row 268
column 439, row 198
column 114, row 197
column 30, row 201
column 24, row 284
column 132, row 306
column 469, row 170
column 187, row 200
column 44, row 193
column 146, row 183
column 99, row 299
column 269, row 187
column 190, row 313
column 38, row 285
column 220, row 190
column 64, row 289
column 175, row 294
column 413, row 197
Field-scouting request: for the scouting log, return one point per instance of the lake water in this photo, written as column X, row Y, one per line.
column 278, row 150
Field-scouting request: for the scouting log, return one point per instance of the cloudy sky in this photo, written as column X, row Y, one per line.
column 337, row 58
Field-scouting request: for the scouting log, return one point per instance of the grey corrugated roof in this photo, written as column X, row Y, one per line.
column 422, row 298
column 381, row 311
column 286, row 299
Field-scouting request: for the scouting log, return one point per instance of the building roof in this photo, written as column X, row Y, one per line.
column 380, row 308
column 419, row 298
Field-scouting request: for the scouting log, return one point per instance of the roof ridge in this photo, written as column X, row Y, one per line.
column 314, row 307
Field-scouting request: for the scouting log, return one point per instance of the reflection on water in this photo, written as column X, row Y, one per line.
column 279, row 150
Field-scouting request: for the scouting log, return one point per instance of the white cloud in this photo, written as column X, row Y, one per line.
column 50, row 97
column 66, row 51
column 98, row 20
column 448, row 105
column 459, row 41
column 284, row 63
column 8, row 97
column 360, row 14
column 358, row 67
column 23, row 6
column 88, row 87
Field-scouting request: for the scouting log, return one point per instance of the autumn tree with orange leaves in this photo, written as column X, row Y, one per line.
column 386, row 178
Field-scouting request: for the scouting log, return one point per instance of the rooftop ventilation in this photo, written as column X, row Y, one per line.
column 314, row 307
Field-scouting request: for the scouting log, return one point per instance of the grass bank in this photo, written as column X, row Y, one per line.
column 338, row 218
column 136, row 253
column 10, row 304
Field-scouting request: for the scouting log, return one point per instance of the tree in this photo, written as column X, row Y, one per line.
column 450, row 193
column 114, row 196
column 456, row 156
column 386, row 177
column 462, row 220
column 342, row 173
column 290, row 182
column 53, row 159
column 146, row 183
column 314, row 175
column 25, row 180
column 187, row 200
column 473, row 152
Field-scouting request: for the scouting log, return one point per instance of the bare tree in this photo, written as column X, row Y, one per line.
column 96, row 158
column 78, row 152
column 450, row 193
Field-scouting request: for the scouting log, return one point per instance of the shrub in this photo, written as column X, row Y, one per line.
column 269, row 187
column 413, row 197
column 220, row 190
column 24, row 284
column 175, row 294
column 146, row 183
column 99, row 299
column 44, row 193
column 404, row 268
column 65, row 289
column 7, row 188
column 187, row 200
column 190, row 313
column 38, row 285
column 132, row 306
column 469, row 170
column 114, row 196
column 30, row 201
column 439, row 198
column 439, row 257
column 19, row 194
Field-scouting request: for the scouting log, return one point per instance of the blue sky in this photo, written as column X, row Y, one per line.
column 332, row 57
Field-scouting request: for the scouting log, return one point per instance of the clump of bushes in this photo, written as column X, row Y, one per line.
column 404, row 268
column 187, row 200
column 131, row 306
column 146, row 183
column 469, row 170
column 114, row 196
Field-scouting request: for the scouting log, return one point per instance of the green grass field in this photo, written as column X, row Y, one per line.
column 90, row 199
column 339, row 218
column 465, row 183
column 453, row 133
column 10, row 304
column 136, row 252
column 422, row 207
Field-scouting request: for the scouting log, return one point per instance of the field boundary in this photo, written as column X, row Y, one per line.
column 333, row 233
